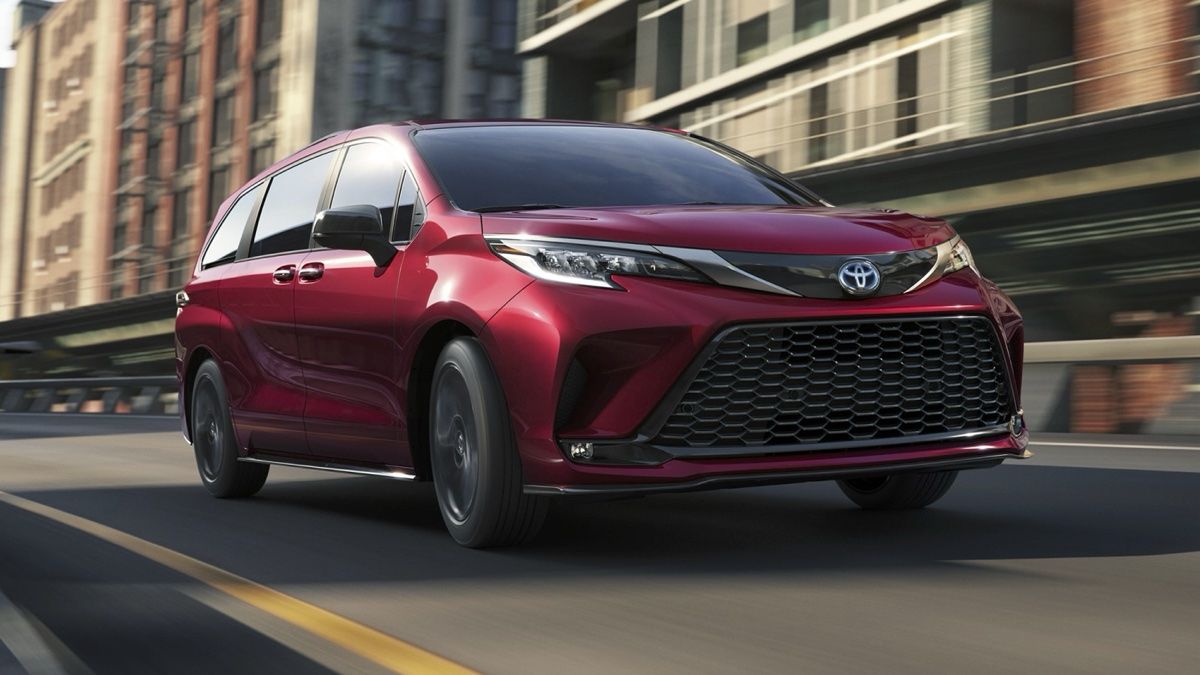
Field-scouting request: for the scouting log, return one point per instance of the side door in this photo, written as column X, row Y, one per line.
column 345, row 321
column 266, row 381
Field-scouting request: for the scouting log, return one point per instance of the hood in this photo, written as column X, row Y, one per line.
column 760, row 229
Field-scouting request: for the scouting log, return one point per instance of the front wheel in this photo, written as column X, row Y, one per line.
column 899, row 491
column 476, row 470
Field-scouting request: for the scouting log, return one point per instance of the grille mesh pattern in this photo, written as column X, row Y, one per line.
column 843, row 382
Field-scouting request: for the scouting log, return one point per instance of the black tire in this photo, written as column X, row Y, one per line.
column 900, row 491
column 476, row 470
column 214, row 442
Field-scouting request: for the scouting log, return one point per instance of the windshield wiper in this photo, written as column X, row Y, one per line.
column 517, row 207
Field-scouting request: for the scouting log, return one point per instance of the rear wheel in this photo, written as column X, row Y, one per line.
column 900, row 491
column 476, row 470
column 213, row 440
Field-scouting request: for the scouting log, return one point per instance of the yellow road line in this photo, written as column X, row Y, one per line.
column 387, row 651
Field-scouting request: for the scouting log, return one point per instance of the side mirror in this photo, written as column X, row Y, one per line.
column 23, row 347
column 354, row 228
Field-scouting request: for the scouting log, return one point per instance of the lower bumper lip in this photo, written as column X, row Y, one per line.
column 642, row 451
column 960, row 463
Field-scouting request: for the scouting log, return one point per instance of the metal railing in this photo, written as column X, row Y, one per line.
column 1008, row 96
column 1156, row 373
column 155, row 268
column 101, row 395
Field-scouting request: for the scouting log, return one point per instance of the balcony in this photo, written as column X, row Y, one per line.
column 1048, row 95
column 575, row 26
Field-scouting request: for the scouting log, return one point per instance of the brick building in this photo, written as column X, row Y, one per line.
column 137, row 117
column 1133, row 52
column 56, row 192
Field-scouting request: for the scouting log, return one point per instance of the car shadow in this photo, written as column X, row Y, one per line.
column 355, row 530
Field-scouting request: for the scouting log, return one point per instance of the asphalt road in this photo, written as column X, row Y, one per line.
column 1081, row 559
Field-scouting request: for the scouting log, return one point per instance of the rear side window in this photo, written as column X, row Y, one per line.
column 370, row 175
column 285, row 223
column 224, row 245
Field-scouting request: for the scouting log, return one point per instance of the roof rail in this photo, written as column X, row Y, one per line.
column 323, row 138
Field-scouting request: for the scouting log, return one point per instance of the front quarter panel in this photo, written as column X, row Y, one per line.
column 449, row 275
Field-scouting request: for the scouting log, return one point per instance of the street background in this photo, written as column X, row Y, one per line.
column 1060, row 137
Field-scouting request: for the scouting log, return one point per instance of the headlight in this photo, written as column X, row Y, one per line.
column 951, row 255
column 587, row 265
column 960, row 257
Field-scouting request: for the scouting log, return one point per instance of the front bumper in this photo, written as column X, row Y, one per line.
column 638, row 344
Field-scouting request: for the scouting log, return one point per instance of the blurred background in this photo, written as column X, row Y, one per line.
column 1061, row 138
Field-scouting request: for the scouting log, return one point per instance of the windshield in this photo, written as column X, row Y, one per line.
column 508, row 167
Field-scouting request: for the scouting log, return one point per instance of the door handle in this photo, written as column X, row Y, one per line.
column 284, row 274
column 312, row 271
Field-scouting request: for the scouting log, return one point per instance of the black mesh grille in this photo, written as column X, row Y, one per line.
column 843, row 382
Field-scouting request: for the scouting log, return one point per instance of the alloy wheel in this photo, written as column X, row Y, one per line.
column 209, row 431
column 455, row 444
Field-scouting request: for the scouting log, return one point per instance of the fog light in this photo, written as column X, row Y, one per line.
column 1017, row 424
column 580, row 450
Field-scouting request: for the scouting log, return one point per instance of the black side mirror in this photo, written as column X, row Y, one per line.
column 354, row 228
column 22, row 347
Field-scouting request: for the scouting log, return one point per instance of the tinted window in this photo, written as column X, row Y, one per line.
column 370, row 175
column 405, row 207
column 495, row 166
column 224, row 244
column 285, row 223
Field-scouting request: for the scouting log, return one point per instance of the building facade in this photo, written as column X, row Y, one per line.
column 57, row 185
column 1058, row 136
column 153, row 111
column 798, row 82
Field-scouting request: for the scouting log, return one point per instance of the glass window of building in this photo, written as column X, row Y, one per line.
column 752, row 37
column 218, row 189
column 181, row 213
column 154, row 158
column 261, row 157
column 266, row 85
column 811, row 18
column 185, row 143
column 670, row 53
column 227, row 48
column 194, row 16
column 270, row 21
column 223, row 119
column 190, row 82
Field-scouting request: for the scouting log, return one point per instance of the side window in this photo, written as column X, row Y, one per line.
column 370, row 175
column 286, row 220
column 224, row 245
column 408, row 213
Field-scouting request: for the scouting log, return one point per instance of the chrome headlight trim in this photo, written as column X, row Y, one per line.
column 952, row 255
column 585, row 262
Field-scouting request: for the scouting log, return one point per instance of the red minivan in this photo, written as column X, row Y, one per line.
column 522, row 310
